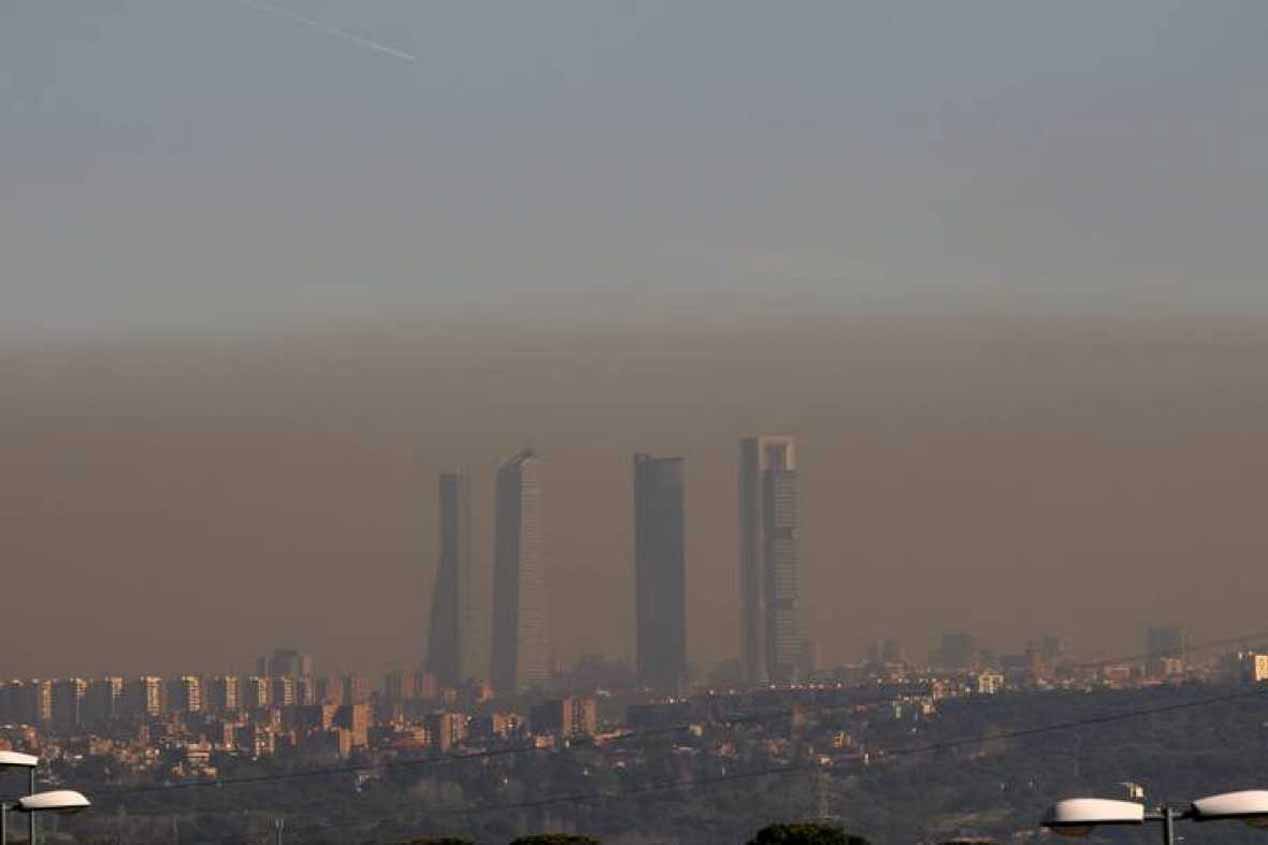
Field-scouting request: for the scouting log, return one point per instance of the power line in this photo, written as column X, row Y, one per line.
column 795, row 768
column 452, row 759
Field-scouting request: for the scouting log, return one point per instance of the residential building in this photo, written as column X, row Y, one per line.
column 286, row 662
column 68, row 704
column 355, row 718
column 446, row 729
column 146, row 696
column 566, row 717
column 103, row 702
column 284, row 691
column 1253, row 667
column 255, row 693
column 185, row 694
column 356, row 690
column 224, row 694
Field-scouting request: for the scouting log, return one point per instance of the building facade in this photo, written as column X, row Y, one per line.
column 521, row 650
column 448, row 647
column 770, row 559
column 660, row 572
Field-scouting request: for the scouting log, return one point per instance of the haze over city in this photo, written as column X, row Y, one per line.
column 269, row 268
column 957, row 473
column 639, row 422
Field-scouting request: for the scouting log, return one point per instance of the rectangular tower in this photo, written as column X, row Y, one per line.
column 770, row 559
column 447, row 644
column 520, row 637
column 660, row 575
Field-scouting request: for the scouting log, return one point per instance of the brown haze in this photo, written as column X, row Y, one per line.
column 186, row 503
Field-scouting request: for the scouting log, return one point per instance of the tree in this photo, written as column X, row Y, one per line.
column 440, row 840
column 805, row 833
column 556, row 839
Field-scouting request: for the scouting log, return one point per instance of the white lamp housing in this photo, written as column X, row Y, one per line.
column 1250, row 805
column 1077, row 816
column 17, row 760
column 56, row 801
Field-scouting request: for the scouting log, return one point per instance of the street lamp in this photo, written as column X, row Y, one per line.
column 1077, row 816
column 57, row 801
column 16, row 760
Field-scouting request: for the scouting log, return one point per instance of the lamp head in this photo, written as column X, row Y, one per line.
column 56, row 801
column 14, row 759
column 1250, row 806
column 1077, row 816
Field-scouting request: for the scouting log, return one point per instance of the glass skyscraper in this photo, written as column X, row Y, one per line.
column 521, row 649
column 450, row 630
column 770, row 559
column 660, row 572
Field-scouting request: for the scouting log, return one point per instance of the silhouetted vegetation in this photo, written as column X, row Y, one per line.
column 556, row 839
column 805, row 833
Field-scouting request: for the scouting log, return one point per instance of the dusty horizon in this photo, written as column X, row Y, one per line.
column 184, row 504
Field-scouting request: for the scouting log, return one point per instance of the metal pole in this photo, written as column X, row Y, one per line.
column 30, row 831
column 278, row 825
column 1168, row 826
column 4, row 823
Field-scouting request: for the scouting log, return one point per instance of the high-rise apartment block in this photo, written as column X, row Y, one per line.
column 660, row 575
column 103, row 701
column 356, row 690
column 521, row 650
column 566, row 717
column 185, row 694
column 68, row 703
column 145, row 696
column 284, row 691
column 355, row 718
column 452, row 620
column 306, row 691
column 256, row 693
column 224, row 694
column 43, row 693
column 285, row 662
column 770, row 559
column 446, row 729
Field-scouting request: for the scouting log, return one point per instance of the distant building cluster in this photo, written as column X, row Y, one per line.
column 181, row 724
column 515, row 612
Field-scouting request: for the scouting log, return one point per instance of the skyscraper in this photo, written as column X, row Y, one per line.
column 447, row 645
column 770, row 559
column 660, row 572
column 520, row 640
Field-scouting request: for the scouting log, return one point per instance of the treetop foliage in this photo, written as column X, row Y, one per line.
column 805, row 833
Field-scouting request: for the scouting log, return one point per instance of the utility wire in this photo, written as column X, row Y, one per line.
column 451, row 759
column 795, row 768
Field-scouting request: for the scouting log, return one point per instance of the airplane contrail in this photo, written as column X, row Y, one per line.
column 332, row 31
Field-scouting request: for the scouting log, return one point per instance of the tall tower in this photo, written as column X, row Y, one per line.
column 521, row 646
column 450, row 628
column 660, row 572
column 770, row 559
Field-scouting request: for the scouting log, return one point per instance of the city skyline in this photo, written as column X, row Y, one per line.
column 179, row 504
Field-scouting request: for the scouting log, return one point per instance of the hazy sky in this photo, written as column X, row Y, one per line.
column 214, row 163
column 171, row 504
column 267, row 267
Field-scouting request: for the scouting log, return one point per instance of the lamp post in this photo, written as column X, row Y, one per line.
column 1077, row 816
column 16, row 760
column 56, row 801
